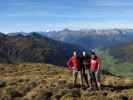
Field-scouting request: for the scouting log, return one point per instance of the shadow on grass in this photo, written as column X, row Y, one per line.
column 107, row 87
column 117, row 88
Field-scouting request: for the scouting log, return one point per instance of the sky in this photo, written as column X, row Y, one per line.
column 46, row 15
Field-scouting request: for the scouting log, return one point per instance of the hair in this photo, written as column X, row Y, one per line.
column 94, row 54
column 88, row 56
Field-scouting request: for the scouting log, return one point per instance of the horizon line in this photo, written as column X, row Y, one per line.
column 80, row 29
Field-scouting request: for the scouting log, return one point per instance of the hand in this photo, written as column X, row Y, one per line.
column 70, row 68
column 97, row 71
column 73, row 68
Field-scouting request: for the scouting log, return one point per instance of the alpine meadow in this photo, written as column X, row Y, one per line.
column 66, row 50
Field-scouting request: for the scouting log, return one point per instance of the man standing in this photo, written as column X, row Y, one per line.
column 74, row 65
column 84, row 59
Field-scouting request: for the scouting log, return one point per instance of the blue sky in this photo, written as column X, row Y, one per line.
column 42, row 15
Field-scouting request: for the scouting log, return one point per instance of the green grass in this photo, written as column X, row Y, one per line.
column 115, row 66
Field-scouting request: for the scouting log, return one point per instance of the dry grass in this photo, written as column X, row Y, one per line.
column 49, row 82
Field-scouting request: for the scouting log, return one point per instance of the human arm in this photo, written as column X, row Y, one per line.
column 69, row 63
column 99, row 64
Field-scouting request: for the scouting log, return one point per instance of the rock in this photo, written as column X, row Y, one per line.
column 44, row 95
column 74, row 93
column 124, row 98
column 2, row 83
column 15, row 93
column 105, row 93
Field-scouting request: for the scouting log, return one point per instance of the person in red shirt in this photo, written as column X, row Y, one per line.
column 95, row 64
column 74, row 65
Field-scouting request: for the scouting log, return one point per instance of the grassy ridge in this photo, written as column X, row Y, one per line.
column 115, row 66
column 123, row 52
column 49, row 82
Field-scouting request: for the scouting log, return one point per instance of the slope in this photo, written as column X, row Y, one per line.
column 123, row 52
column 34, row 48
column 49, row 82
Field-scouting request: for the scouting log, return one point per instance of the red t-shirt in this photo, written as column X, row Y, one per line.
column 94, row 64
column 73, row 62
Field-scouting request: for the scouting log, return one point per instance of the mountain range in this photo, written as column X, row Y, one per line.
column 90, row 39
column 56, row 47
column 30, row 81
column 34, row 48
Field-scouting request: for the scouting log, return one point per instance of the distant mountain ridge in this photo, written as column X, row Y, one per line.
column 89, row 39
column 119, row 42
column 34, row 48
column 93, row 38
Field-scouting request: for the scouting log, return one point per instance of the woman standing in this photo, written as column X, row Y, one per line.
column 95, row 64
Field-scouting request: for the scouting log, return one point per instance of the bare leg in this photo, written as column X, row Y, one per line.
column 97, row 75
column 75, row 77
